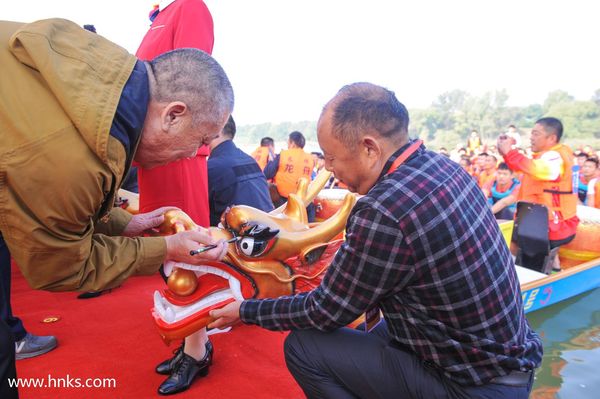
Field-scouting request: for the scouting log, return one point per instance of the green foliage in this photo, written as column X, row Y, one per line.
column 454, row 114
column 277, row 131
column 452, row 117
column 557, row 97
column 581, row 119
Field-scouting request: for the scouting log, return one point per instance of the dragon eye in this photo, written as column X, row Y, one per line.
column 251, row 247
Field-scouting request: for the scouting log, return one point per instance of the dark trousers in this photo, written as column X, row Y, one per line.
column 11, row 328
column 14, row 323
column 351, row 363
column 7, row 363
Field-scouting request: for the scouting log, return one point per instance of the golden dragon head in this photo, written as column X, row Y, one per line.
column 277, row 253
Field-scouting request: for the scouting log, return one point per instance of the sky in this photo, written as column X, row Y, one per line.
column 286, row 59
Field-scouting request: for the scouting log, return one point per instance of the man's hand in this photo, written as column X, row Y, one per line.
column 145, row 221
column 179, row 246
column 227, row 316
column 504, row 144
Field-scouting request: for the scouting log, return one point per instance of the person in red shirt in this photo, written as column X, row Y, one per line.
column 184, row 183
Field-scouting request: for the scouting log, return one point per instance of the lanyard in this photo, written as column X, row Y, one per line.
column 400, row 160
column 372, row 315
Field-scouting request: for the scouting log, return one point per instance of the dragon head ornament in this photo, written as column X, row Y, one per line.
column 273, row 254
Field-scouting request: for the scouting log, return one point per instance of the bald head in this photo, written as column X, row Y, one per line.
column 194, row 78
column 365, row 108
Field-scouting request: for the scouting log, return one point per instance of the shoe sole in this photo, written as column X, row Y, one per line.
column 21, row 356
column 201, row 374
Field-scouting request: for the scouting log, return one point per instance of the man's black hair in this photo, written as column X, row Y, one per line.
column 297, row 138
column 504, row 166
column 266, row 142
column 552, row 126
column 362, row 108
column 594, row 160
column 229, row 129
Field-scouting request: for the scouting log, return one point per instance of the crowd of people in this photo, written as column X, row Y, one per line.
column 546, row 173
column 501, row 184
column 101, row 111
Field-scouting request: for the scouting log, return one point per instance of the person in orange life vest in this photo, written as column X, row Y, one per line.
column 473, row 143
column 289, row 166
column 488, row 171
column 593, row 186
column 547, row 179
column 265, row 153
column 502, row 193
column 183, row 183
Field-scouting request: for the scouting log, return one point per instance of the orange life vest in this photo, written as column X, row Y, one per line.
column 293, row 164
column 261, row 155
column 556, row 195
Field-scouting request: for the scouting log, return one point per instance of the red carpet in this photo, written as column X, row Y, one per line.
column 113, row 336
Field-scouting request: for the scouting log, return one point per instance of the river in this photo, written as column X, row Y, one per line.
column 571, row 334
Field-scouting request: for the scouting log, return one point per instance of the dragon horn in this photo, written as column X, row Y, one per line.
column 307, row 192
column 326, row 230
column 295, row 208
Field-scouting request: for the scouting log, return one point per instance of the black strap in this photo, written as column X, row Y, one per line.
column 558, row 192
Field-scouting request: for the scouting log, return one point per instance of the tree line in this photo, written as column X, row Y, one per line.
column 454, row 114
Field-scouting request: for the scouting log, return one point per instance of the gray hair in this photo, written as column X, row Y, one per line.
column 362, row 108
column 195, row 78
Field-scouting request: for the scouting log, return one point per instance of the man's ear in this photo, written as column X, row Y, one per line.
column 371, row 147
column 172, row 113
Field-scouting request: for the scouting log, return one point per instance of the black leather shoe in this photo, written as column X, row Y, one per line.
column 184, row 374
column 93, row 294
column 167, row 366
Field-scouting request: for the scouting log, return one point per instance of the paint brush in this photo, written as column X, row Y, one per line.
column 209, row 247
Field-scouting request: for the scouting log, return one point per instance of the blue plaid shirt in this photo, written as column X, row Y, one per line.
column 424, row 247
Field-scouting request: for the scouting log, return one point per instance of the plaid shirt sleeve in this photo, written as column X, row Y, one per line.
column 368, row 265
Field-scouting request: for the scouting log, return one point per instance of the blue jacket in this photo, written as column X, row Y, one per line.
column 234, row 178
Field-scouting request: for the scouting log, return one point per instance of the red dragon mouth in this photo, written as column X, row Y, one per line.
column 218, row 284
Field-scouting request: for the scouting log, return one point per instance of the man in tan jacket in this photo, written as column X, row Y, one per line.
column 75, row 111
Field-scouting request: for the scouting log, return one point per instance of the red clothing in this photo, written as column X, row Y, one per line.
column 184, row 183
